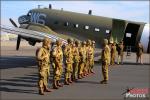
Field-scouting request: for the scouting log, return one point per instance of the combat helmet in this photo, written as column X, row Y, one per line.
column 46, row 41
column 105, row 41
column 88, row 42
column 69, row 40
column 58, row 42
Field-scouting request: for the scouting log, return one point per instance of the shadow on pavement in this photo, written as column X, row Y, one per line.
column 17, row 61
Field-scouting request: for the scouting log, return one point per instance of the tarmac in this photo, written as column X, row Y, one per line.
column 19, row 76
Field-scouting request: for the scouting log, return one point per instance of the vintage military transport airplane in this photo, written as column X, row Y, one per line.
column 59, row 24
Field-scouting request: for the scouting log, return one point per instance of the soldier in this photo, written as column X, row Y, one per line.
column 120, row 52
column 58, row 62
column 89, row 56
column 113, row 53
column 68, row 53
column 86, row 63
column 110, row 45
column 105, row 58
column 93, row 47
column 139, row 53
column 75, row 60
column 43, row 58
column 52, row 58
column 82, row 61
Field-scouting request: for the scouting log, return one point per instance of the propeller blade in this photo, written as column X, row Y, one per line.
column 19, row 37
column 13, row 22
column 18, row 42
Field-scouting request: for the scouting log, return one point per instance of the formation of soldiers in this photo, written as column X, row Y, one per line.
column 77, row 58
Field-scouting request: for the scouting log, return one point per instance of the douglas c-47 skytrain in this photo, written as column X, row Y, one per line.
column 59, row 24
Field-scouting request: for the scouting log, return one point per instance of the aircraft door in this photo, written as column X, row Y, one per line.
column 130, row 35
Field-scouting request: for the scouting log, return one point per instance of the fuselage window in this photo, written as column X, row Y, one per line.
column 76, row 25
column 66, row 24
column 97, row 29
column 86, row 27
column 107, row 31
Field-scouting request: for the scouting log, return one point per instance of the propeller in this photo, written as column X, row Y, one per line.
column 19, row 37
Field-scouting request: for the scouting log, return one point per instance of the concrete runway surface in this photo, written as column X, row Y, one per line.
column 19, row 78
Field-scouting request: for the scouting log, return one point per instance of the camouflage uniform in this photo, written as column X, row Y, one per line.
column 58, row 62
column 105, row 58
column 68, row 52
column 93, row 47
column 113, row 53
column 90, row 56
column 139, row 52
column 76, row 58
column 120, row 52
column 82, row 63
column 43, row 58
column 86, row 67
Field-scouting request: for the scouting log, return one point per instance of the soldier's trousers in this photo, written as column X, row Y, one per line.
column 105, row 70
column 81, row 67
column 58, row 71
column 90, row 64
column 86, row 66
column 113, row 59
column 43, row 78
column 68, row 70
column 75, row 70
column 120, row 59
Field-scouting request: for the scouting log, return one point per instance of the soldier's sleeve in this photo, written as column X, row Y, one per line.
column 65, row 51
column 106, row 54
column 39, row 54
column 54, row 52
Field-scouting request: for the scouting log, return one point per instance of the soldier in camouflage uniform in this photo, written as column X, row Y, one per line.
column 43, row 59
column 89, row 56
column 92, row 63
column 86, row 66
column 139, row 52
column 120, row 52
column 68, row 53
column 76, row 58
column 105, row 61
column 113, row 53
column 82, row 61
column 58, row 62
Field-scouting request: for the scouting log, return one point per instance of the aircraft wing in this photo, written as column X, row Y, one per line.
column 30, row 33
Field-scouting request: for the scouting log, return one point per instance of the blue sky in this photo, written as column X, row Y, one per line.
column 128, row 10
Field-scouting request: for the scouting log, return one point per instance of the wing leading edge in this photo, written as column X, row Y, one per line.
column 30, row 34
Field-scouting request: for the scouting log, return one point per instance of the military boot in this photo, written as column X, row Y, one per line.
column 55, row 85
column 46, row 89
column 80, row 76
column 66, row 82
column 59, row 84
column 41, row 91
column 69, row 80
column 103, row 82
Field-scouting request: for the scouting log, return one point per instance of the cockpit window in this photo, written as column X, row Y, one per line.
column 29, row 14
